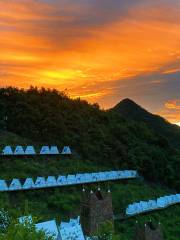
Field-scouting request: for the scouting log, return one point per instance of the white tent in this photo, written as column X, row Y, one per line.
column 107, row 175
column 51, row 181
column 144, row 206
column 54, row 150
column 114, row 174
column 135, row 173
column 178, row 198
column 19, row 150
column 101, row 176
column 174, row 198
column 167, row 199
column 119, row 173
column 7, row 150
column 94, row 177
column 3, row 186
column 130, row 210
column 61, row 180
column 71, row 179
column 87, row 177
column 111, row 175
column 71, row 230
column 66, row 150
column 40, row 182
column 79, row 178
column 30, row 150
column 28, row 184
column 15, row 185
column 152, row 204
column 50, row 228
column 25, row 219
column 45, row 150
column 161, row 202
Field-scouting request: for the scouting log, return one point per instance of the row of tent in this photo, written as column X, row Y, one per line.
column 71, row 179
column 62, row 231
column 146, row 206
column 30, row 150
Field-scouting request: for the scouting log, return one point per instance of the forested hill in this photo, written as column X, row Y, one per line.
column 131, row 110
column 100, row 137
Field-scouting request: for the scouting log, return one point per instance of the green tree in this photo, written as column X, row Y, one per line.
column 24, row 232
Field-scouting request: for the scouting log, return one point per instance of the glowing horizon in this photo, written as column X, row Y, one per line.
column 102, row 52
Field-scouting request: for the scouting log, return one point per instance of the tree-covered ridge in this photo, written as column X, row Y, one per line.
column 131, row 110
column 97, row 136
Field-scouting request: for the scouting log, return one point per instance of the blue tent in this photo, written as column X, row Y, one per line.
column 51, row 181
column 152, row 204
column 79, row 178
column 50, row 228
column 161, row 202
column 71, row 179
column 61, row 180
column 66, row 150
column 28, row 184
column 3, row 185
column 131, row 210
column 71, row 230
column 19, row 150
column 45, row 150
column 40, row 182
column 87, row 177
column 30, row 150
column 7, row 150
column 15, row 185
column 54, row 150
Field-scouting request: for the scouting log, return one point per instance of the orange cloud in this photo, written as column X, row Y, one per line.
column 69, row 45
column 173, row 104
column 171, row 111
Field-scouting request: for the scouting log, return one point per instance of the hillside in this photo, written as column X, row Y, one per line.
column 130, row 110
column 99, row 137
column 100, row 140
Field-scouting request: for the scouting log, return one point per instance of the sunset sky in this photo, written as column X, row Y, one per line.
column 100, row 50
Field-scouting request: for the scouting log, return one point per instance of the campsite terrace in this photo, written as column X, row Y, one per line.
column 71, row 179
column 151, row 205
column 31, row 151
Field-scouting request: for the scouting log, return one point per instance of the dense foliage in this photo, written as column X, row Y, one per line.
column 24, row 232
column 131, row 110
column 101, row 137
column 100, row 140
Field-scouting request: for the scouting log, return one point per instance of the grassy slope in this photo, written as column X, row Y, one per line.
column 62, row 203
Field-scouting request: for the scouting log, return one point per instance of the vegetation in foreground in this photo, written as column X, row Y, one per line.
column 101, row 140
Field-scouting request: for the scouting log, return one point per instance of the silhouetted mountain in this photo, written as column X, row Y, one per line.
column 130, row 110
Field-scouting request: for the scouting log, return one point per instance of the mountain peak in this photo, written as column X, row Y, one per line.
column 132, row 111
column 128, row 106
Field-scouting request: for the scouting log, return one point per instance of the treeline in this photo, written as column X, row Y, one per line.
column 104, row 137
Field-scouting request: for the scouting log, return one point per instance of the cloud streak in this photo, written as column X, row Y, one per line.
column 99, row 50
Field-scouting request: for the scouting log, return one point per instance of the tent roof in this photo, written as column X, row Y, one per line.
column 30, row 150
column 7, row 150
column 49, row 227
column 66, row 150
column 19, row 150
column 54, row 150
column 45, row 150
